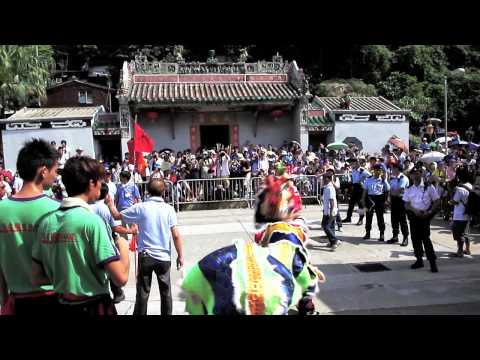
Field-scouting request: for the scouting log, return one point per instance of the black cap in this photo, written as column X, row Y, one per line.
column 398, row 166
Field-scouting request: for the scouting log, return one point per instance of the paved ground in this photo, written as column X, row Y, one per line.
column 400, row 290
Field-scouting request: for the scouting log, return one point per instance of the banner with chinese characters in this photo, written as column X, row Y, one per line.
column 235, row 135
column 193, row 138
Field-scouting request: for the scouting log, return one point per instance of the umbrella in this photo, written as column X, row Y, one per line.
column 295, row 142
column 460, row 143
column 433, row 156
column 353, row 140
column 473, row 146
column 434, row 120
column 395, row 141
column 441, row 140
column 337, row 146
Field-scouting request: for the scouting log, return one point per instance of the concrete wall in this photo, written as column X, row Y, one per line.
column 13, row 141
column 269, row 131
column 160, row 131
column 374, row 135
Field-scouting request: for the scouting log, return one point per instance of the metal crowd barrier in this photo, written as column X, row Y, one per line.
column 237, row 189
column 213, row 190
column 228, row 190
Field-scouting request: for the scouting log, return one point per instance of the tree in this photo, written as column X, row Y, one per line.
column 375, row 62
column 426, row 63
column 24, row 72
column 406, row 92
column 336, row 87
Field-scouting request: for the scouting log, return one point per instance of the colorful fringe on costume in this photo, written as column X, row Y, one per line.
column 264, row 278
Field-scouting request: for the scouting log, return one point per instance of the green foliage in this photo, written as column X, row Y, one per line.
column 414, row 140
column 375, row 62
column 405, row 91
column 426, row 63
column 336, row 87
column 24, row 72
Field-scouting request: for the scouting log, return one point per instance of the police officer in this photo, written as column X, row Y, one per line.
column 375, row 194
column 359, row 174
column 398, row 183
column 421, row 202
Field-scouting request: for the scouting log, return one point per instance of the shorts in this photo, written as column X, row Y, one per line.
column 458, row 230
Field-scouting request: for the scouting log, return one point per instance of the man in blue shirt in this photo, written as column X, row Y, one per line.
column 157, row 226
column 359, row 174
column 398, row 183
column 376, row 189
column 127, row 192
column 114, row 228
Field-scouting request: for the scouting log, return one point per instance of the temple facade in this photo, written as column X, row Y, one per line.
column 190, row 105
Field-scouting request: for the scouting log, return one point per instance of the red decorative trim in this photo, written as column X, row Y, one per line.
column 282, row 78
column 316, row 113
column 155, row 78
column 194, row 78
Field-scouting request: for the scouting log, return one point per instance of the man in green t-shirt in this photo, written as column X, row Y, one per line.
column 73, row 250
column 37, row 166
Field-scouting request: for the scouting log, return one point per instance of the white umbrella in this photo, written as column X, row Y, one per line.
column 432, row 156
column 441, row 140
column 434, row 120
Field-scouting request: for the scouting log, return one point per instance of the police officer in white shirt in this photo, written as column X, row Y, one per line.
column 422, row 203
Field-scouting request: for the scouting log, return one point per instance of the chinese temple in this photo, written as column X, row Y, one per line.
column 187, row 105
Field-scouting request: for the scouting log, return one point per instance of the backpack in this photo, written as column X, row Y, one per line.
column 472, row 206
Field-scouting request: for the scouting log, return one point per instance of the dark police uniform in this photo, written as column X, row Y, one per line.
column 358, row 176
column 398, row 213
column 375, row 201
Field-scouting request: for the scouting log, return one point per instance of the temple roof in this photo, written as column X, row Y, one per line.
column 212, row 92
column 163, row 83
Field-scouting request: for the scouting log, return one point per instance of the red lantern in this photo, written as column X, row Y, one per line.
column 151, row 115
column 276, row 113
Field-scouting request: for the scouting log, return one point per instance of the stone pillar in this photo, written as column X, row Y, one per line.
column 300, row 130
column 125, row 126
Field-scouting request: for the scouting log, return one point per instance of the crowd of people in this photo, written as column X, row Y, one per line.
column 57, row 199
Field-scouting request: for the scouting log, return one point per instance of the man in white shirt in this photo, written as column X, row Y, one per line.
column 66, row 149
column 330, row 210
column 460, row 219
column 263, row 162
column 112, row 188
column 223, row 165
column 421, row 202
column 17, row 183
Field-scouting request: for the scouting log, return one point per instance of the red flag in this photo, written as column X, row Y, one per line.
column 141, row 141
column 133, row 244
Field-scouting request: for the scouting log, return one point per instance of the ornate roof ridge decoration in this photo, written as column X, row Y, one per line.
column 142, row 66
